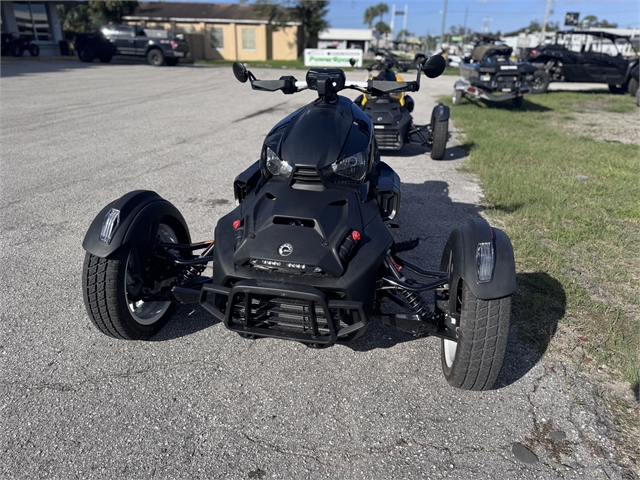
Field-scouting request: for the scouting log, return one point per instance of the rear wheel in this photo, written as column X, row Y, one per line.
column 633, row 87
column 113, row 291
column 475, row 360
column 440, row 131
column 16, row 50
column 34, row 50
column 85, row 54
column 155, row 57
column 540, row 83
column 457, row 97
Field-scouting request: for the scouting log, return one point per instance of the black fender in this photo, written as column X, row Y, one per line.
column 440, row 113
column 141, row 211
column 459, row 259
column 246, row 182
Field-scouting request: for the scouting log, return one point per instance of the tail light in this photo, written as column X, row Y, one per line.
column 534, row 52
column 174, row 45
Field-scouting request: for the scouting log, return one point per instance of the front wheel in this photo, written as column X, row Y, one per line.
column 540, row 83
column 85, row 54
column 475, row 360
column 113, row 293
column 457, row 97
column 618, row 89
column 155, row 57
column 440, row 131
column 517, row 102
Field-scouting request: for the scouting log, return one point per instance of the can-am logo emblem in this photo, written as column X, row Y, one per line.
column 285, row 249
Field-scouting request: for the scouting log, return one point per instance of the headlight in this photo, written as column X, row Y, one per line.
column 276, row 166
column 485, row 78
column 350, row 169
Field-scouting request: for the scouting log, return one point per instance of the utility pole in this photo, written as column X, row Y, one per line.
column 546, row 17
column 485, row 24
column 444, row 19
column 464, row 27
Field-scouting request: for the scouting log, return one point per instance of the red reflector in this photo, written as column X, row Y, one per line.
column 236, row 224
column 174, row 45
column 472, row 90
column 534, row 52
column 355, row 235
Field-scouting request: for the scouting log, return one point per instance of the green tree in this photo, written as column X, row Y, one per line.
column 404, row 34
column 90, row 16
column 380, row 29
column 370, row 15
column 310, row 13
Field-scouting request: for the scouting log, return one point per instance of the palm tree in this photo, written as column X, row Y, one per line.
column 369, row 16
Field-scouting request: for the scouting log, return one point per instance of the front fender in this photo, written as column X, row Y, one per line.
column 140, row 213
column 440, row 112
column 459, row 258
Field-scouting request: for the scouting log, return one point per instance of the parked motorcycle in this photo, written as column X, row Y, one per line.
column 308, row 254
column 392, row 121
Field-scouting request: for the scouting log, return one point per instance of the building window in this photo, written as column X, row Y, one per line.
column 249, row 39
column 32, row 20
column 216, row 34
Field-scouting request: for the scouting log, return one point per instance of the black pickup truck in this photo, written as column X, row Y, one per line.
column 158, row 46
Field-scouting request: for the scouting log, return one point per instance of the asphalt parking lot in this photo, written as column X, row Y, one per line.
column 199, row 401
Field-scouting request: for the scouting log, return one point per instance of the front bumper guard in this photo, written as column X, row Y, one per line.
column 253, row 308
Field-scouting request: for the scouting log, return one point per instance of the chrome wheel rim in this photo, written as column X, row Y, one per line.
column 450, row 347
column 147, row 313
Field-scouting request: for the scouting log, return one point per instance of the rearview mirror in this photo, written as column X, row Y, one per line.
column 240, row 72
column 434, row 66
column 352, row 61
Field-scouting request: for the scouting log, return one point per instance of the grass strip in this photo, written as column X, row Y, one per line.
column 571, row 206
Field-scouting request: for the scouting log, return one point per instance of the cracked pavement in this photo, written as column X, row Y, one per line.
column 199, row 401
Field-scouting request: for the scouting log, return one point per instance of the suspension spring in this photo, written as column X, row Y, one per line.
column 189, row 275
column 415, row 301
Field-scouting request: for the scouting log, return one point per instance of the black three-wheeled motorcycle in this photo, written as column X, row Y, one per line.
column 307, row 255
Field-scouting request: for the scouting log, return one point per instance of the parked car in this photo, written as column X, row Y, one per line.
column 589, row 57
column 159, row 47
column 15, row 45
column 401, row 60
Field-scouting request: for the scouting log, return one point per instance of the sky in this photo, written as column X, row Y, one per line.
column 425, row 16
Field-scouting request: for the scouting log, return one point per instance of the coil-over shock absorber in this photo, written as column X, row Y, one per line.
column 188, row 276
column 413, row 299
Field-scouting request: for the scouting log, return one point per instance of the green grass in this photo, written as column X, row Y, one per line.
column 571, row 207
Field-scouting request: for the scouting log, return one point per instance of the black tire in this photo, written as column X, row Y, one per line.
column 34, row 50
column 540, row 83
column 440, row 134
column 638, row 97
column 85, row 54
column 517, row 102
column 457, row 97
column 475, row 361
column 105, row 58
column 171, row 62
column 618, row 89
column 155, row 57
column 16, row 50
column 107, row 285
column 632, row 88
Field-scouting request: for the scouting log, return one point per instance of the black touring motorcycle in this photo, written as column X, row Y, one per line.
column 307, row 255
column 393, row 124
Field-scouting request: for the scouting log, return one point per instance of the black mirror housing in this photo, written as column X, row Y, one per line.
column 434, row 66
column 240, row 72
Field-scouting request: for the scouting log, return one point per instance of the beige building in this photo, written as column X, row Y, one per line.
column 221, row 31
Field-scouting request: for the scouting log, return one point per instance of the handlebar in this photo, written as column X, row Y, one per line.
column 290, row 85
